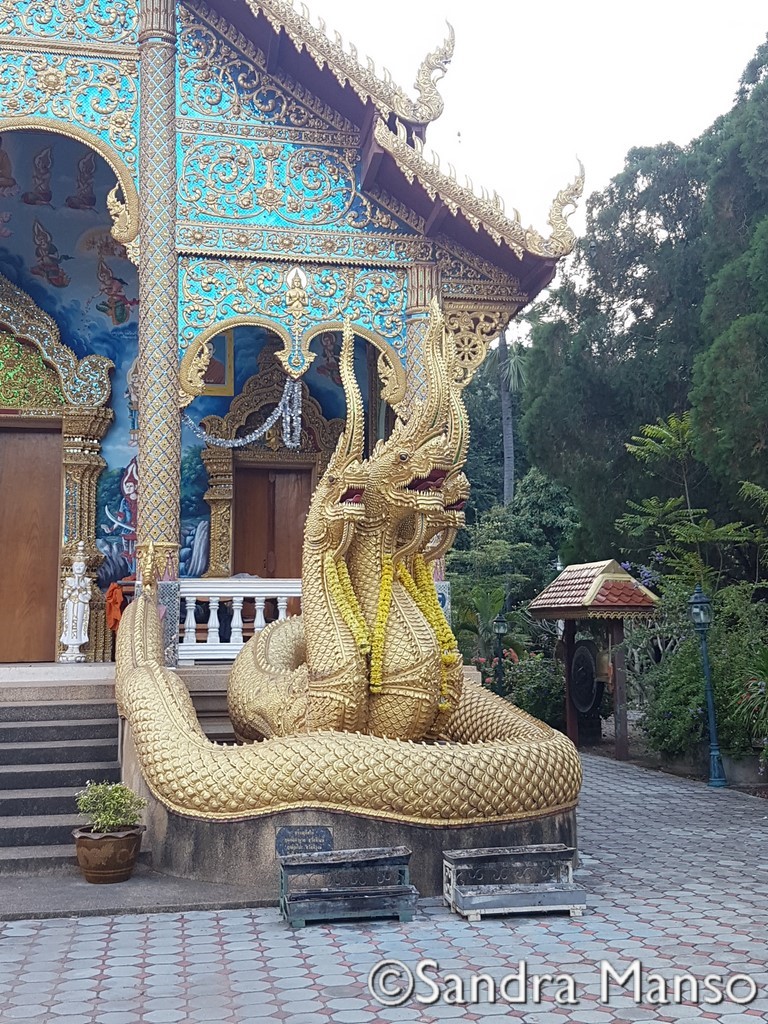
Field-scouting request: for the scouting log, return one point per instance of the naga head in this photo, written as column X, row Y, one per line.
column 433, row 530
column 337, row 503
column 406, row 472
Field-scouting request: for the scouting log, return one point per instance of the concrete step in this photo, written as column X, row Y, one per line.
column 37, row 711
column 56, row 682
column 218, row 729
column 50, row 776
column 205, row 678
column 38, row 830
column 15, row 802
column 56, row 859
column 72, row 752
column 53, row 730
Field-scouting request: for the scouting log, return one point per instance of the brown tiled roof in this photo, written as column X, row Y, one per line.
column 593, row 590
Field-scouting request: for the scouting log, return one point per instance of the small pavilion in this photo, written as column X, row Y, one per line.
column 606, row 592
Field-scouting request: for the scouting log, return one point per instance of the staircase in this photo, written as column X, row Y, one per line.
column 58, row 730
column 48, row 751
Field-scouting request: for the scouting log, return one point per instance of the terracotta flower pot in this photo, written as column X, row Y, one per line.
column 108, row 856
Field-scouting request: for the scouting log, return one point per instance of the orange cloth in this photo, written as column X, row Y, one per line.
column 114, row 603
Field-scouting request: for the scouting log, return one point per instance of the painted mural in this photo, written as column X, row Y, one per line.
column 55, row 243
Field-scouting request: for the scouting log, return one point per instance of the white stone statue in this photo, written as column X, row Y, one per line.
column 76, row 594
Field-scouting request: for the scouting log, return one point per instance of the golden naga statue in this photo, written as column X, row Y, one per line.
column 360, row 703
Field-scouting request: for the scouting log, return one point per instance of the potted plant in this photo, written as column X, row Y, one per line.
column 108, row 846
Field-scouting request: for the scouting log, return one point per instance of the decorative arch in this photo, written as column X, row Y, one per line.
column 198, row 354
column 393, row 356
column 84, row 382
column 196, row 358
column 53, row 385
column 260, row 394
column 125, row 211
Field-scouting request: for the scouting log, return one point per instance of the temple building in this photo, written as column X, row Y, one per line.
column 193, row 199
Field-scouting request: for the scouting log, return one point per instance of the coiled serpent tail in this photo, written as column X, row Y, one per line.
column 501, row 764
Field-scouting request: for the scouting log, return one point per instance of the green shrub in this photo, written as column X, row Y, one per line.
column 676, row 715
column 110, row 806
column 532, row 682
column 752, row 705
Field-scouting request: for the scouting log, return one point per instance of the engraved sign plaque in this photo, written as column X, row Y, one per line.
column 303, row 839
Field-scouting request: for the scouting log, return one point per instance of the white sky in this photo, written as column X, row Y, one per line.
column 533, row 85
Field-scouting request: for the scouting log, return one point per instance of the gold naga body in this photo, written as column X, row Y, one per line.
column 358, row 704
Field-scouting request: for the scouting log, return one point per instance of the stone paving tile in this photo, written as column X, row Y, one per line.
column 677, row 878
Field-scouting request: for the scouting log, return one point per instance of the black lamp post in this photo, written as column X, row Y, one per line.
column 700, row 608
column 499, row 629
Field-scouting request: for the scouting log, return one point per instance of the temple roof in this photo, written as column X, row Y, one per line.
column 593, row 590
column 392, row 130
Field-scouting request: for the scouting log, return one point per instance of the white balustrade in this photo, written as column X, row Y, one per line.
column 229, row 593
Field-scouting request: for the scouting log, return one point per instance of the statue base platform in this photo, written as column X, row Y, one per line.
column 245, row 852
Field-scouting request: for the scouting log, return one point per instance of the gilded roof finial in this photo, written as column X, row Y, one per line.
column 430, row 104
column 563, row 238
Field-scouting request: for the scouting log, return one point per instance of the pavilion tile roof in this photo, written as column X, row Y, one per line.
column 593, row 590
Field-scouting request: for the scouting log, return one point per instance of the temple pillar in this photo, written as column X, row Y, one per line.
column 159, row 416
column 423, row 283
column 219, row 464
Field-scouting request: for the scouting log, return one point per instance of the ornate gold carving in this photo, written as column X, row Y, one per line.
column 423, row 286
column 157, row 561
column 85, row 426
column 83, row 382
column 355, row 248
column 467, row 276
column 562, row 239
column 124, row 212
column 194, row 366
column 86, row 23
column 197, row 355
column 82, row 431
column 345, row 67
column 431, row 70
column 75, row 91
column 484, row 211
column 226, row 50
column 296, row 298
column 40, row 45
column 157, row 19
column 248, row 410
column 125, row 225
column 399, row 209
column 304, row 683
column 453, row 783
column 473, row 330
column 219, row 292
column 269, row 197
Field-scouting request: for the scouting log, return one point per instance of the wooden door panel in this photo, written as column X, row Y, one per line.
column 30, row 516
column 250, row 534
column 293, row 490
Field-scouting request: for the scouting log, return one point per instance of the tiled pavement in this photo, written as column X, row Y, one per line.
column 677, row 876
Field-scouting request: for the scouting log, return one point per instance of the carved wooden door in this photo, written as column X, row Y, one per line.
column 30, row 514
column 268, row 523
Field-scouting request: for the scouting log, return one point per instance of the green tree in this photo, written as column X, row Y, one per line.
column 515, row 548
column 506, row 362
column 664, row 310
